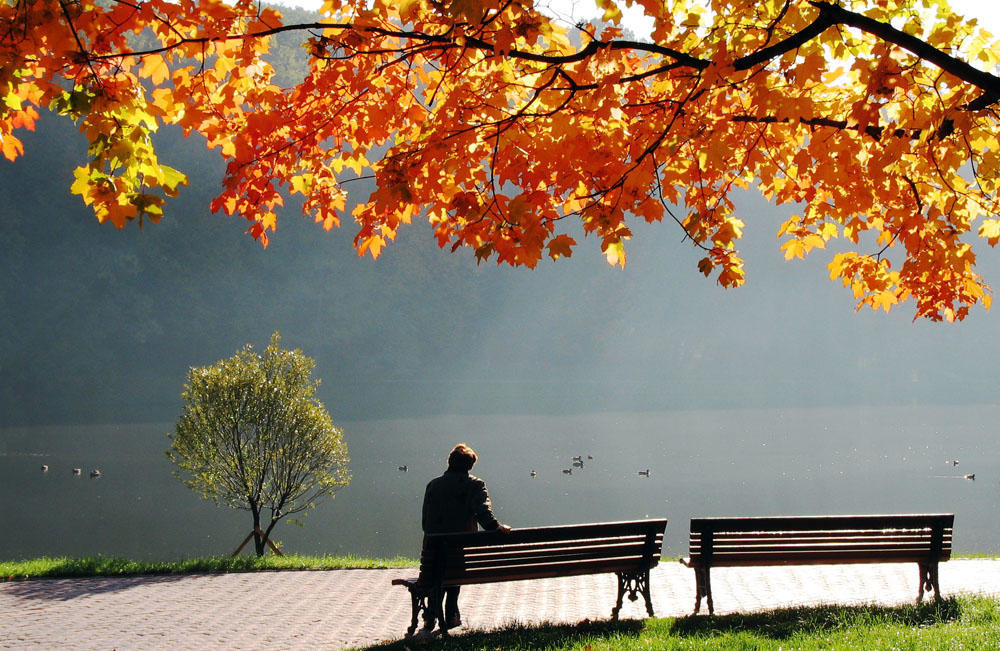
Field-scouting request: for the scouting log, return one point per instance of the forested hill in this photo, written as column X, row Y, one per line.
column 100, row 325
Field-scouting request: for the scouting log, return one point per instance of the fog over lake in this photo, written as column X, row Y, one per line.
column 774, row 398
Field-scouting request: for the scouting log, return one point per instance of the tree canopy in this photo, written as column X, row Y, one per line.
column 513, row 133
column 253, row 436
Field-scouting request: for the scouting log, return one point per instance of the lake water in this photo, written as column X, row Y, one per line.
column 701, row 463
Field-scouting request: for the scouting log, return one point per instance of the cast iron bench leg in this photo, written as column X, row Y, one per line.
column 418, row 603
column 634, row 583
column 703, row 588
column 621, row 593
column 699, row 589
column 929, row 580
column 647, row 595
column 708, row 591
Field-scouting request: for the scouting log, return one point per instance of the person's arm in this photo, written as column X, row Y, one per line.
column 482, row 508
column 425, row 510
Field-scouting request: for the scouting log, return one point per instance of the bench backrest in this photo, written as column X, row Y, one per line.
column 820, row 539
column 540, row 552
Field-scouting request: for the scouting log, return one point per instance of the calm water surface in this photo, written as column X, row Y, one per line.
column 701, row 463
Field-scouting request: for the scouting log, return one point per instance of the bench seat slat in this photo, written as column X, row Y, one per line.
column 813, row 522
column 634, row 556
column 602, row 548
column 586, row 540
column 533, row 535
column 764, row 539
column 500, row 558
column 590, row 543
column 750, row 536
column 750, row 543
column 513, row 562
column 819, row 548
column 722, row 560
column 541, row 570
column 814, row 558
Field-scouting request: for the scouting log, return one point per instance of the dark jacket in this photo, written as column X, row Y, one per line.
column 456, row 501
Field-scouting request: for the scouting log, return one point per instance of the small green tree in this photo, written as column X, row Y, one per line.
column 253, row 436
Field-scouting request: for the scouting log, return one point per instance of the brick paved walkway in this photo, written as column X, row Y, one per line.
column 344, row 608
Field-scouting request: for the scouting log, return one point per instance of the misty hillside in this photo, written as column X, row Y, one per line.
column 100, row 325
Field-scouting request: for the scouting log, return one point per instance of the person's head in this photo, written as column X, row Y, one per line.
column 462, row 458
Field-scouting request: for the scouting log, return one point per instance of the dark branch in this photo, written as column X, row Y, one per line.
column 872, row 130
column 793, row 42
column 990, row 84
column 830, row 14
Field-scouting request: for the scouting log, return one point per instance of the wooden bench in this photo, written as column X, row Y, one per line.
column 629, row 549
column 803, row 540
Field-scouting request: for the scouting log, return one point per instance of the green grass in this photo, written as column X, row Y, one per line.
column 107, row 566
column 954, row 623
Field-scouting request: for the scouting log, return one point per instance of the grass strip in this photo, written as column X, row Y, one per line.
column 964, row 622
column 64, row 566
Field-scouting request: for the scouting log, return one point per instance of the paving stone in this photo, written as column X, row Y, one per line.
column 349, row 608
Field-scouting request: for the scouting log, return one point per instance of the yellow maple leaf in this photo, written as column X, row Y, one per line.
column 612, row 14
column 990, row 230
column 885, row 300
column 155, row 67
column 372, row 244
column 794, row 249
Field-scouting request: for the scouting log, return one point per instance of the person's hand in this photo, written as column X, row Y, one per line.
column 503, row 528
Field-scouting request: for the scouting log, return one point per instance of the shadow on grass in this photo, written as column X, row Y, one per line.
column 783, row 623
column 777, row 625
column 518, row 636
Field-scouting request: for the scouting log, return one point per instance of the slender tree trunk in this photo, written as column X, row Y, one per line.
column 258, row 540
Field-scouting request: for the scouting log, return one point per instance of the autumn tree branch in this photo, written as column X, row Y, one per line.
column 793, row 42
column 830, row 14
column 990, row 84
column 872, row 130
